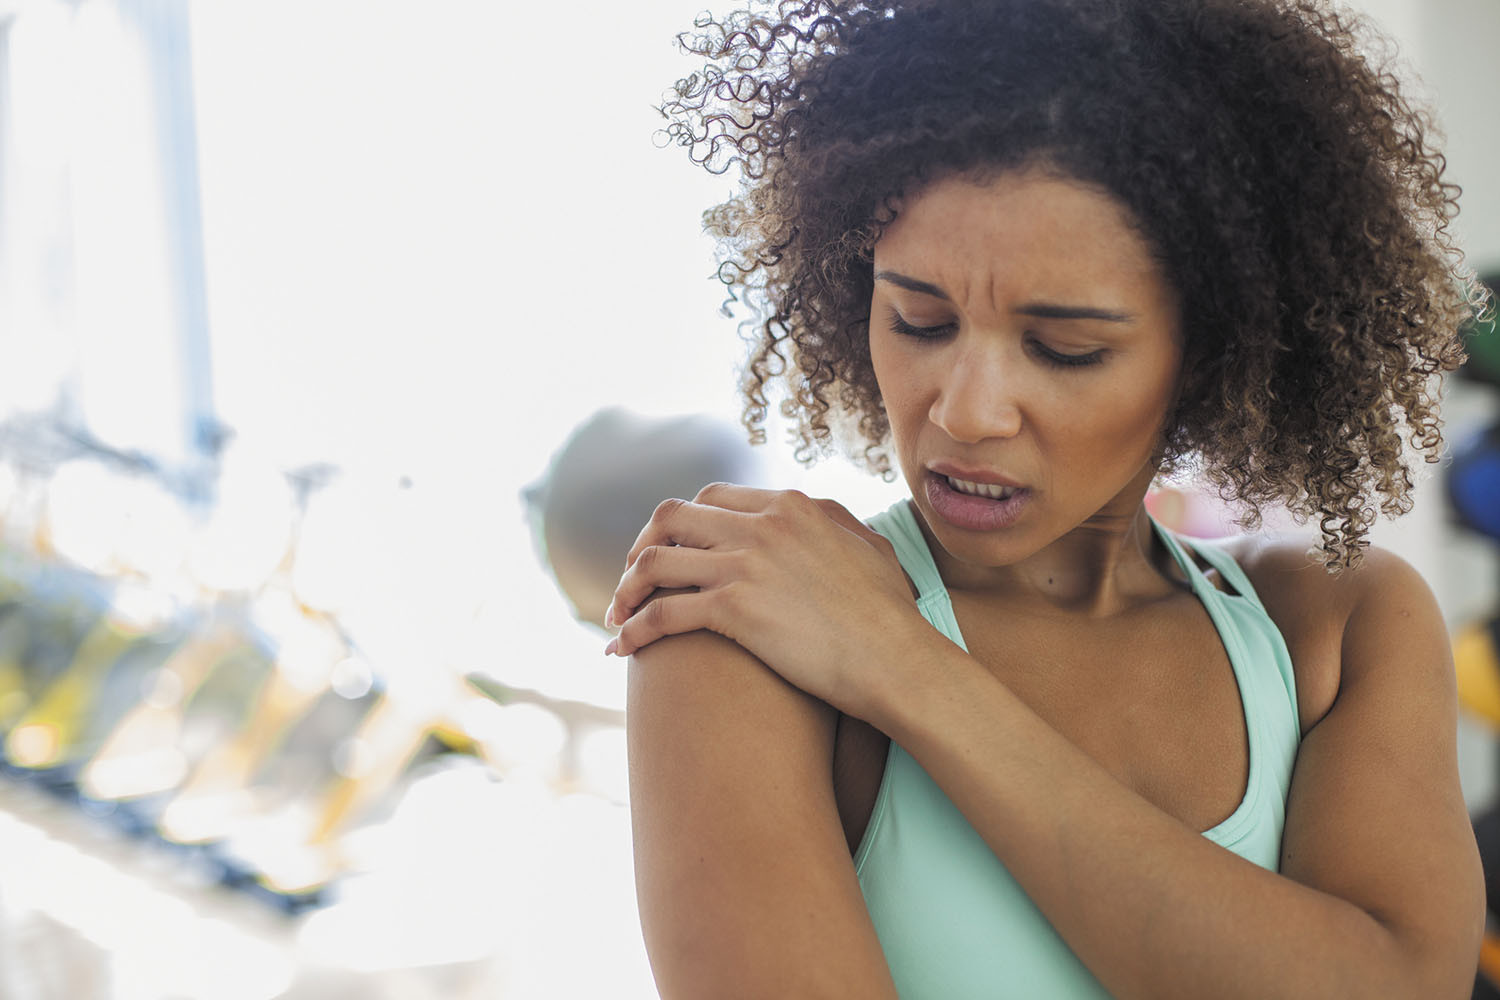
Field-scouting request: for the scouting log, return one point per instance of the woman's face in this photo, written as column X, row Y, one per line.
column 1027, row 348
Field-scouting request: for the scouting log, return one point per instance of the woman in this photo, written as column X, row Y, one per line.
column 1017, row 740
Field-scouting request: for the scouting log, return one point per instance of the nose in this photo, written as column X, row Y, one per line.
column 977, row 401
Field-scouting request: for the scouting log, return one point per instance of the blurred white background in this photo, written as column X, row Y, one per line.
column 419, row 243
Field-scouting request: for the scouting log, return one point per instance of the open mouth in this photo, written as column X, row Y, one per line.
column 989, row 490
column 975, row 506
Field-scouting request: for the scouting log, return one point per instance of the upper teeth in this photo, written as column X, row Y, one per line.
column 982, row 489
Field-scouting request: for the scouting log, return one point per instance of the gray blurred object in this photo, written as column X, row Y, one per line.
column 603, row 483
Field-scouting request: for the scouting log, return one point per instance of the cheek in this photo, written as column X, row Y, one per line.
column 900, row 383
column 887, row 376
column 1130, row 422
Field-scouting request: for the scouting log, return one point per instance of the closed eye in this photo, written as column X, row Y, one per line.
column 906, row 329
column 1062, row 360
column 1057, row 359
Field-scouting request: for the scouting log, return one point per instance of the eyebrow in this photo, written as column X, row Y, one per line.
column 1041, row 310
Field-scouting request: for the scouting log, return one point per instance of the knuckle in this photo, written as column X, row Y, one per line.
column 795, row 499
column 787, row 508
column 667, row 508
column 647, row 559
column 707, row 494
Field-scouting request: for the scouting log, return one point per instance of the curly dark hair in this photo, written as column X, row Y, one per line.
column 1293, row 195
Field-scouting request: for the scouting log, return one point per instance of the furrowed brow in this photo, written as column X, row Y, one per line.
column 1047, row 310
column 1041, row 310
column 911, row 284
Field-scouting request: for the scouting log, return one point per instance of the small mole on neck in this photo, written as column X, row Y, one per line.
column 1049, row 581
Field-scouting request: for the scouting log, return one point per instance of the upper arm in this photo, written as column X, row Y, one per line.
column 744, row 880
column 1376, row 815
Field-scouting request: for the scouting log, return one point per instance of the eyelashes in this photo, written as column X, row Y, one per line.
column 1057, row 359
column 1067, row 360
column 904, row 328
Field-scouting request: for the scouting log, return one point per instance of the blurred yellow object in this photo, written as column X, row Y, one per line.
column 207, row 807
column 65, row 707
column 1489, row 957
column 1477, row 662
column 380, row 750
column 13, row 696
column 140, row 757
column 15, row 636
column 372, row 759
column 15, row 693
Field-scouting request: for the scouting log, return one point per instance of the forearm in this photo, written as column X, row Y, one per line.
column 1152, row 907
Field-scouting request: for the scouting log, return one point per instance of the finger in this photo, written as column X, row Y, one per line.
column 684, row 522
column 659, row 566
column 670, row 615
column 732, row 496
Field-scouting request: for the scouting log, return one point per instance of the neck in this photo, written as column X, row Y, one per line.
column 1106, row 565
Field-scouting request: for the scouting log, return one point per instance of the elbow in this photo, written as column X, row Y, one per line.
column 685, row 970
column 1442, row 977
column 1424, row 965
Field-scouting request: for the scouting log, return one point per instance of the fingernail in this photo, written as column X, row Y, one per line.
column 614, row 644
column 609, row 615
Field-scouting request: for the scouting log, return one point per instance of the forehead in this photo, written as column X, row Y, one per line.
column 1030, row 224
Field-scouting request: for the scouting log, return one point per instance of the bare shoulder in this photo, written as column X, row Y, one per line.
column 1321, row 614
column 704, row 686
column 1285, row 574
column 1284, row 571
column 743, row 876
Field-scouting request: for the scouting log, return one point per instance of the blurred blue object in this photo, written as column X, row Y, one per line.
column 1474, row 482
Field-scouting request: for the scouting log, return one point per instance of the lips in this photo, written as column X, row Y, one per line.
column 993, row 507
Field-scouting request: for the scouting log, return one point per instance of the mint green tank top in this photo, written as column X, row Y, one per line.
column 952, row 921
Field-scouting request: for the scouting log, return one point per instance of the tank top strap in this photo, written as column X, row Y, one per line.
column 1230, row 571
column 1215, row 557
column 899, row 526
column 1184, row 559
